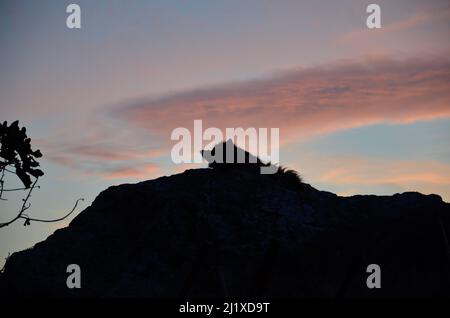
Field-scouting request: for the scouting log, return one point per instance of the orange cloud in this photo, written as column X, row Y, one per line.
column 388, row 172
column 138, row 172
column 357, row 173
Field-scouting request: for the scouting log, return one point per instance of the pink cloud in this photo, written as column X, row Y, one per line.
column 101, row 147
column 303, row 103
column 308, row 102
column 420, row 18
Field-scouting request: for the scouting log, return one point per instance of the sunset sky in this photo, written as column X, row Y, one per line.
column 359, row 110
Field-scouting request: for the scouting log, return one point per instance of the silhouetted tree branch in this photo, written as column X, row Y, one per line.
column 25, row 206
column 16, row 153
column 28, row 219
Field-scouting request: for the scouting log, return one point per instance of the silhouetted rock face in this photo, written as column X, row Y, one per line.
column 213, row 233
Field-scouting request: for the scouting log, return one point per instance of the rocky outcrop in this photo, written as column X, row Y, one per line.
column 234, row 233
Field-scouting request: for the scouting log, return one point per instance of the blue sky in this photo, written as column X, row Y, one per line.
column 360, row 111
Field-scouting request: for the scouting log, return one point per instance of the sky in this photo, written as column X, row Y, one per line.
column 360, row 111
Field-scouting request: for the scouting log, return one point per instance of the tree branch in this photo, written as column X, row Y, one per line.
column 53, row 220
column 24, row 206
column 1, row 183
column 18, row 189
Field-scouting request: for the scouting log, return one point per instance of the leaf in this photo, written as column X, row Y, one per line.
column 37, row 154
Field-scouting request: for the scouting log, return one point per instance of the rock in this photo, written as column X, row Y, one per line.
column 212, row 233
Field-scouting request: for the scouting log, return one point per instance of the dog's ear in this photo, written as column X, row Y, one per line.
column 206, row 154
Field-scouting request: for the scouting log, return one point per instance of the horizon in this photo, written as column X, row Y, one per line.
column 360, row 111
